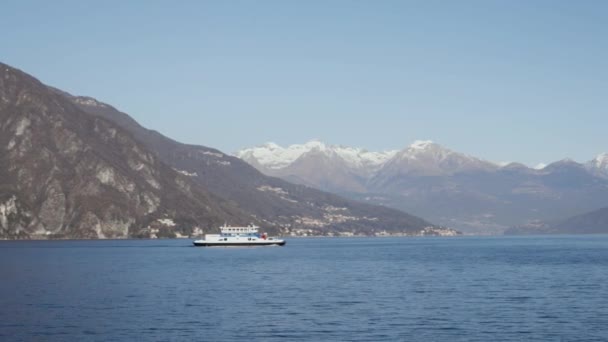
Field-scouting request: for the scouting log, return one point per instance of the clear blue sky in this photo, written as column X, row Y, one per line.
column 503, row 80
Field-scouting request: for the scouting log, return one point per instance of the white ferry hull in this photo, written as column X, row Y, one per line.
column 204, row 243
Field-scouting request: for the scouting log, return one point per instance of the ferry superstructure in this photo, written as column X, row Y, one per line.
column 239, row 236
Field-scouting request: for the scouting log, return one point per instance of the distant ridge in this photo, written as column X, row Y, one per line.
column 450, row 188
column 593, row 222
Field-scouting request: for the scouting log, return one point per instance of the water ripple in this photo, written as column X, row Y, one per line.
column 464, row 289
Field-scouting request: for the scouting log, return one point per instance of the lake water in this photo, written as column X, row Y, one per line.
column 357, row 289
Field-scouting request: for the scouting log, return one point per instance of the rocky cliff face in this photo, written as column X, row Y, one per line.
column 66, row 173
column 73, row 167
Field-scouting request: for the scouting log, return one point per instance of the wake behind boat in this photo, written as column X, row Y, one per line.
column 239, row 236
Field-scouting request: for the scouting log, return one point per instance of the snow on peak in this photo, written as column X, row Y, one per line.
column 273, row 156
column 421, row 155
column 314, row 145
column 271, row 146
column 601, row 159
column 539, row 166
column 421, row 144
column 600, row 162
column 422, row 148
column 427, row 157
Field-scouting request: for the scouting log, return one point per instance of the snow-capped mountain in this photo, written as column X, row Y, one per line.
column 422, row 157
column 330, row 167
column 350, row 169
column 274, row 157
column 426, row 158
column 599, row 164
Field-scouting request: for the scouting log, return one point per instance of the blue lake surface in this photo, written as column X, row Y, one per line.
column 357, row 289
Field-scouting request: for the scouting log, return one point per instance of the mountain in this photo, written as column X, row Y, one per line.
column 599, row 165
column 425, row 158
column 340, row 168
column 67, row 174
column 327, row 167
column 75, row 167
column 272, row 156
column 594, row 222
column 452, row 188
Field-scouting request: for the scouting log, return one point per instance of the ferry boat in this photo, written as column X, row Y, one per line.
column 239, row 236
